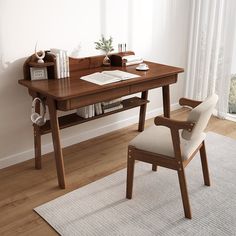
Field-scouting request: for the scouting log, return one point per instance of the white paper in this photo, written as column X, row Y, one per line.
column 107, row 77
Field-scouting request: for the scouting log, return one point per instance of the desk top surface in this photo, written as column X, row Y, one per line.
column 67, row 88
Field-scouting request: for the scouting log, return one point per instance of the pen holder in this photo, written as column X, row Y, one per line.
column 116, row 59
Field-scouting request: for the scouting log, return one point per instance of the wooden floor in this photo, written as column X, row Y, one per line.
column 22, row 187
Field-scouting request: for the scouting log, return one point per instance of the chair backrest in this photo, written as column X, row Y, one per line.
column 200, row 115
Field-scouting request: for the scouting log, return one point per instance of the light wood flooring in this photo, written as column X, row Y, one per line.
column 22, row 187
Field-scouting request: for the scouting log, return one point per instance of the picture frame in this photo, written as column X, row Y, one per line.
column 38, row 73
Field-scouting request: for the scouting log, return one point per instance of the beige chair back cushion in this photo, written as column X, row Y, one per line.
column 200, row 115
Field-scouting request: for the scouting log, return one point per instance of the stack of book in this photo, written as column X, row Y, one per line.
column 90, row 111
column 112, row 105
column 100, row 108
column 86, row 112
column 62, row 63
column 131, row 60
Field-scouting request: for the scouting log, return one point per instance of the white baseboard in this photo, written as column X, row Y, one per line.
column 29, row 154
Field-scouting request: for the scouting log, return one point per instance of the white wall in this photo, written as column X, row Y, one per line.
column 154, row 29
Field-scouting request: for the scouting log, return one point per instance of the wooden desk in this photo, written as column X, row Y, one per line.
column 72, row 93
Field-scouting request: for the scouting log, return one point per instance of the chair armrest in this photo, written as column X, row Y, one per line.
column 174, row 124
column 189, row 102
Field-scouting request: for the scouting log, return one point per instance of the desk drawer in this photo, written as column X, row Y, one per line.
column 155, row 83
column 75, row 103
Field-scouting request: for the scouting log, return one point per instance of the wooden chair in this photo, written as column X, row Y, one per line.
column 162, row 145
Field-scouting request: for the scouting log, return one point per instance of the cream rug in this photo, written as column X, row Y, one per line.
column 101, row 208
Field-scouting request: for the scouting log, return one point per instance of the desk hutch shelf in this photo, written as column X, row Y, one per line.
column 49, row 64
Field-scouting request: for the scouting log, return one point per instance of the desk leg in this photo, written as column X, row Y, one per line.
column 56, row 142
column 142, row 112
column 166, row 100
column 37, row 147
column 37, row 141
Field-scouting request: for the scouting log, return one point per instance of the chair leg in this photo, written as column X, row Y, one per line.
column 184, row 194
column 205, row 170
column 154, row 167
column 130, row 176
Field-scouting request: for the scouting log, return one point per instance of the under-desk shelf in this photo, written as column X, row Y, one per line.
column 73, row 119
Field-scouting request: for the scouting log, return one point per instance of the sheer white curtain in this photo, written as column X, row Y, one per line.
column 210, row 50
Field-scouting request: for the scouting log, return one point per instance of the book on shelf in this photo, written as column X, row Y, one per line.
column 110, row 76
column 62, row 62
column 99, row 108
column 83, row 112
column 113, row 108
column 117, row 100
column 91, row 111
column 112, row 105
column 86, row 112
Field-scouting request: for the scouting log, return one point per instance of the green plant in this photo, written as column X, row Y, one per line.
column 104, row 44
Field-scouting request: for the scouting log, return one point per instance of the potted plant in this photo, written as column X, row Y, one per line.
column 106, row 46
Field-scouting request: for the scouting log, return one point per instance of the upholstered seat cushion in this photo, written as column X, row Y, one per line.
column 157, row 139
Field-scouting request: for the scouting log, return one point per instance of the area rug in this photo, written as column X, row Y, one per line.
column 101, row 208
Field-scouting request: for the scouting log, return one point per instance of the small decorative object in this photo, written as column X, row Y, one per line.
column 106, row 46
column 38, row 73
column 40, row 55
column 142, row 66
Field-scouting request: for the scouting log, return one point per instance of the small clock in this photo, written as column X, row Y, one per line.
column 38, row 73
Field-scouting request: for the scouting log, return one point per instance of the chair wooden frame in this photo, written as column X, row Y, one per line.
column 176, row 163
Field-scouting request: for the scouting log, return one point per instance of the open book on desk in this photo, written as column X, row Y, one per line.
column 107, row 77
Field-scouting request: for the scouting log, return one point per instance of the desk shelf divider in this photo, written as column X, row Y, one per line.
column 73, row 119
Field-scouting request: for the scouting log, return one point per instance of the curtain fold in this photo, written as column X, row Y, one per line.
column 211, row 40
